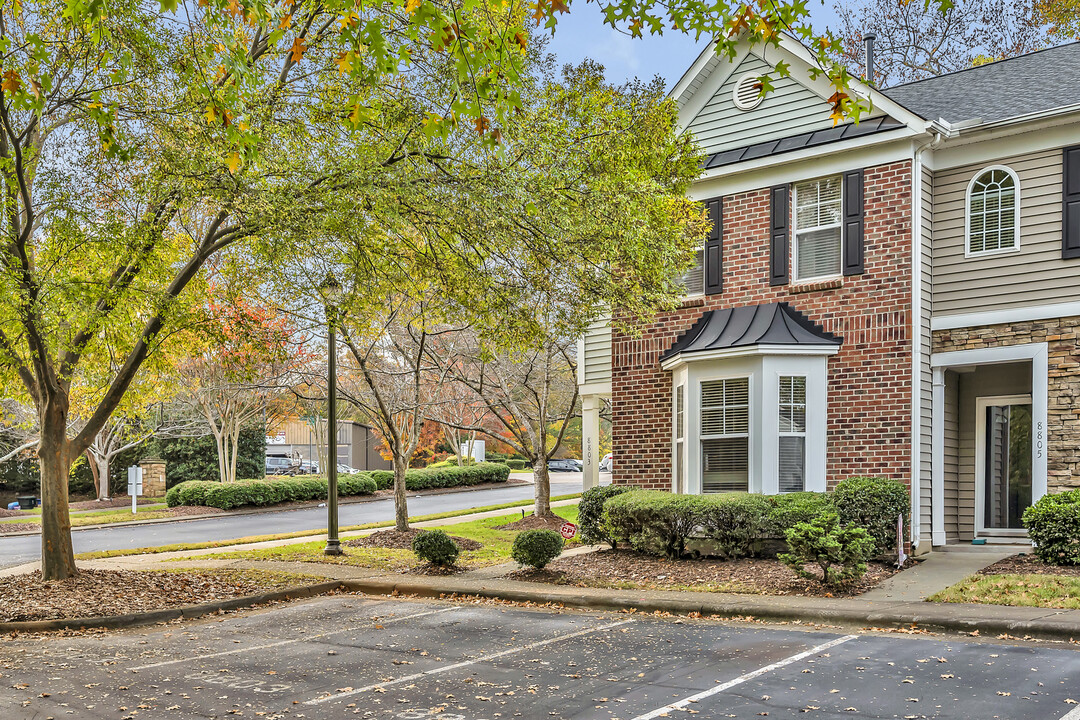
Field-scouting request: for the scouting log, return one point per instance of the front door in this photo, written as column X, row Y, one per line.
column 1004, row 449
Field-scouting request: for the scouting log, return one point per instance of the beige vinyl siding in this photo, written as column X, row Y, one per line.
column 952, row 458
column 926, row 375
column 999, row 282
column 789, row 109
column 597, row 360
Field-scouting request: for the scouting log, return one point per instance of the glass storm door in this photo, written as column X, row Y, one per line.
column 1006, row 465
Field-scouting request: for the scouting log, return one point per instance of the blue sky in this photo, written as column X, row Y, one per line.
column 582, row 34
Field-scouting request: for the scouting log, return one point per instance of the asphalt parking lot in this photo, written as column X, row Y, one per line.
column 346, row 656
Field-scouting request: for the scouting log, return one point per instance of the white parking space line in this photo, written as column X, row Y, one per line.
column 290, row 642
column 466, row 663
column 1073, row 714
column 743, row 678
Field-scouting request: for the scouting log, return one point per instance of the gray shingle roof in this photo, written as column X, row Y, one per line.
column 1005, row 89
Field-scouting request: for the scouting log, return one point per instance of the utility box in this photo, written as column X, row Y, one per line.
column 477, row 450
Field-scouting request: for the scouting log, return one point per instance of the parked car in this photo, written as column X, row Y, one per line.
column 346, row 470
column 564, row 465
column 281, row 466
column 605, row 464
column 308, row 467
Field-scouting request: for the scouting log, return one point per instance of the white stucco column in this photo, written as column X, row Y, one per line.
column 590, row 440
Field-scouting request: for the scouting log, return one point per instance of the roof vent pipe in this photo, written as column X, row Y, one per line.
column 869, row 39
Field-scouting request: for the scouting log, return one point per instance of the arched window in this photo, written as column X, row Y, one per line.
column 993, row 211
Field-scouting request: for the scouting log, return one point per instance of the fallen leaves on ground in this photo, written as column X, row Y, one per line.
column 96, row 593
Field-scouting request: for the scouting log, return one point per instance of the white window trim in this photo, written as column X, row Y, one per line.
column 678, row 444
column 968, row 253
column 687, row 295
column 749, row 434
column 981, row 404
column 793, row 223
column 806, row 420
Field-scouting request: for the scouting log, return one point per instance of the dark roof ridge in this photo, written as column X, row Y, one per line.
column 978, row 67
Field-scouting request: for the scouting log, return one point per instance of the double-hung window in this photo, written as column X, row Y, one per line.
column 792, row 441
column 818, row 228
column 725, row 435
column 693, row 280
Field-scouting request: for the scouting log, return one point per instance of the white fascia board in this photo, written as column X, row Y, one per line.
column 1002, row 317
column 693, row 71
column 709, row 87
column 994, row 141
column 989, row 355
column 751, row 351
column 833, row 158
column 600, row 389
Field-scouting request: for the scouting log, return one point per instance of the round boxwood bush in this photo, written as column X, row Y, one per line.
column 591, row 514
column 873, row 503
column 515, row 464
column 436, row 547
column 1053, row 523
column 536, row 548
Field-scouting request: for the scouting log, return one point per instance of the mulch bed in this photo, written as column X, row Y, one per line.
column 18, row 527
column 764, row 576
column 531, row 522
column 119, row 592
column 181, row 510
column 115, row 502
column 4, row 512
column 394, row 540
column 1028, row 565
column 178, row 511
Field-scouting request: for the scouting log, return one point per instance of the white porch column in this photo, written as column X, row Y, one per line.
column 937, row 460
column 590, row 440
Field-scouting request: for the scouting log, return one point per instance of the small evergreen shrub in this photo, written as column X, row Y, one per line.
column 790, row 509
column 436, row 547
column 445, row 476
column 735, row 522
column 383, row 478
column 653, row 521
column 515, row 464
column 591, row 514
column 536, row 548
column 873, row 503
column 1053, row 523
column 841, row 551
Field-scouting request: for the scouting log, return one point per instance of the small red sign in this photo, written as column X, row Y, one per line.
column 569, row 530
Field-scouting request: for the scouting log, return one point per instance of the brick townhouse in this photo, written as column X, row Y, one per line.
column 892, row 297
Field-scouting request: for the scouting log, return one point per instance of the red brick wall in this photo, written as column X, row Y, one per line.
column 869, row 414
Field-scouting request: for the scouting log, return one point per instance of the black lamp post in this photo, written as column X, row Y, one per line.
column 331, row 293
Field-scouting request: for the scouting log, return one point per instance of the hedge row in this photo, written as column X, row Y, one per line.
column 265, row 492
column 738, row 523
column 445, row 477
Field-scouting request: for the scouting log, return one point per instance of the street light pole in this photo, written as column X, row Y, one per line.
column 331, row 291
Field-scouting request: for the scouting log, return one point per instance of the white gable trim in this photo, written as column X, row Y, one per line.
column 709, row 87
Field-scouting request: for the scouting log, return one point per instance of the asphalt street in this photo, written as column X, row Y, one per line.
column 19, row 550
column 351, row 656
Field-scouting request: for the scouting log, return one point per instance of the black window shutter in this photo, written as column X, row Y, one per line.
column 1070, row 217
column 853, row 222
column 778, row 236
column 714, row 248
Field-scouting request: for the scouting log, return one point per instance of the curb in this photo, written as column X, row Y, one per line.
column 158, row 616
column 956, row 618
column 352, row 500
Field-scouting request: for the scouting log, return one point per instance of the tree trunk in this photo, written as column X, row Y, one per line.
column 234, row 451
column 220, row 442
column 57, row 556
column 101, row 462
column 401, row 508
column 541, row 488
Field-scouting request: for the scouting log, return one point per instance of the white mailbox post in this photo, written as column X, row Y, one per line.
column 135, row 475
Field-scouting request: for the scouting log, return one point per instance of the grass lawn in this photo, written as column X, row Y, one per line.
column 181, row 547
column 1048, row 591
column 496, row 550
column 98, row 517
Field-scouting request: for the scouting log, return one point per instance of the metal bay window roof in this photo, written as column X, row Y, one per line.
column 777, row 325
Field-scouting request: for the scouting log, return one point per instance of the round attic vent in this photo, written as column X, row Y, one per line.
column 747, row 92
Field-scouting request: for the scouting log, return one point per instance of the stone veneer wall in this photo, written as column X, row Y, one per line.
column 1062, row 336
column 153, row 477
column 869, row 414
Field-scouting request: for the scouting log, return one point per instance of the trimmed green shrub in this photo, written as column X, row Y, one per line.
column 1053, row 524
column 383, row 478
column 790, row 509
column 515, row 464
column 653, row 521
column 445, row 477
column 591, row 513
column 536, row 548
column 873, row 503
column 841, row 551
column 265, row 492
column 436, row 547
column 735, row 522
